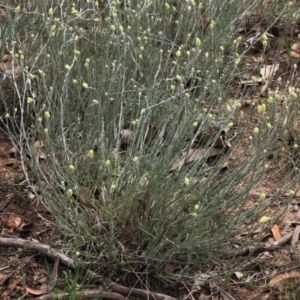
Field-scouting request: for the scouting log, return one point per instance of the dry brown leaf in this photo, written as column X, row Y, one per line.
column 264, row 88
column 169, row 269
column 37, row 149
column 34, row 292
column 282, row 279
column 269, row 70
column 3, row 278
column 276, row 232
column 87, row 204
column 193, row 155
column 13, row 150
column 8, row 162
column 10, row 68
column 126, row 136
column 43, row 279
column 11, row 287
column 294, row 54
column 11, row 221
column 2, row 13
column 201, row 22
column 296, row 47
column 239, row 275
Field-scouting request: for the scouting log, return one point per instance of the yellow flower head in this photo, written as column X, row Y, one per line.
column 74, row 11
column 69, row 193
column 178, row 77
column 197, row 42
column 292, row 193
column 264, row 219
column 256, row 130
column 90, row 154
column 17, row 9
column 47, row 115
column 261, row 108
column 71, row 168
column 264, row 37
column 262, row 197
column 294, row 96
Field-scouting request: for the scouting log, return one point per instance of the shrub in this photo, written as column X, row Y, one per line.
column 116, row 93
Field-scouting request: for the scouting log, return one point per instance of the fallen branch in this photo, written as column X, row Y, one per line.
column 87, row 294
column 141, row 294
column 116, row 288
column 34, row 244
column 295, row 238
column 260, row 247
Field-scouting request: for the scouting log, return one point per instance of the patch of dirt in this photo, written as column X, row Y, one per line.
column 23, row 218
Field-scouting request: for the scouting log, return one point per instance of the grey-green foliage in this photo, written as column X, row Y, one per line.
column 145, row 73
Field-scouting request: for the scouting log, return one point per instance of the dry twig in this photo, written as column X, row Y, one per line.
column 260, row 247
column 117, row 289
